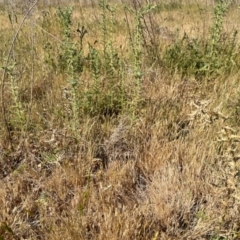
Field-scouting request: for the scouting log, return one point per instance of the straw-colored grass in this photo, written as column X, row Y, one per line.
column 164, row 166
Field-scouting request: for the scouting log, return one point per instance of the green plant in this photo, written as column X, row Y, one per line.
column 137, row 41
column 18, row 118
column 137, row 46
column 219, row 13
column 111, row 61
column 71, row 55
column 71, row 60
column 105, row 96
column 200, row 58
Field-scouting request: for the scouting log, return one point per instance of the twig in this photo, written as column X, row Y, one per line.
column 48, row 33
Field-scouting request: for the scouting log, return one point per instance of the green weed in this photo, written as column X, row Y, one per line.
column 204, row 58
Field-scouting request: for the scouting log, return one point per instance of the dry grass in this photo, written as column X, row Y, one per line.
column 172, row 172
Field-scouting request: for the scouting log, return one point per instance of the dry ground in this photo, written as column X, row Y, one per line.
column 170, row 172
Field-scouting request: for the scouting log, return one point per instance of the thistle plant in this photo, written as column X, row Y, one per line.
column 137, row 45
column 217, row 28
column 108, row 22
column 103, row 5
column 104, row 95
column 215, row 46
column 19, row 118
column 71, row 60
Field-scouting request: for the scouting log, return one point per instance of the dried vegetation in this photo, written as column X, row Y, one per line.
column 109, row 133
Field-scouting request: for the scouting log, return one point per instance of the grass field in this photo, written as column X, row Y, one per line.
column 120, row 120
